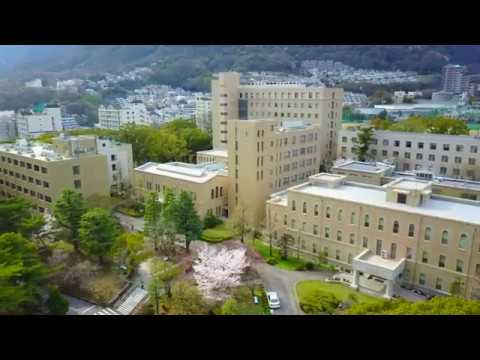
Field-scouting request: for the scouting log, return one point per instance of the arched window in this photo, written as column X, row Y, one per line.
column 396, row 227
column 463, row 243
column 352, row 218
column 411, row 230
column 315, row 211
column 339, row 235
column 304, row 207
column 380, row 224
column 285, row 220
column 366, row 222
column 327, row 212
column 428, row 233
column 445, row 237
column 293, row 205
column 340, row 215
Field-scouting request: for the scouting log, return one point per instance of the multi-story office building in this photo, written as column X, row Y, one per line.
column 8, row 125
column 43, row 120
column 212, row 156
column 455, row 79
column 399, row 232
column 232, row 100
column 266, row 156
column 41, row 172
column 203, row 113
column 114, row 116
column 445, row 155
column 208, row 183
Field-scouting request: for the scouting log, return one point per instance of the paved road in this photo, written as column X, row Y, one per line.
column 283, row 282
column 138, row 223
column 81, row 307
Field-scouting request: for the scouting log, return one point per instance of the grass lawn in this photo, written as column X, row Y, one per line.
column 292, row 263
column 217, row 234
column 318, row 296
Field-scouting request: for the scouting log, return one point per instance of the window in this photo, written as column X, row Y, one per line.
column 428, row 233
column 459, row 267
column 366, row 222
column 459, row 148
column 352, row 218
column 425, row 257
column 293, row 205
column 36, row 168
column 407, row 155
column 433, row 146
column 380, row 223
column 327, row 212
column 463, row 243
column 444, row 158
column 422, row 279
column 340, row 215
column 474, row 149
column 396, row 227
column 420, row 145
column 365, row 242
column 438, row 284
column 352, row 239
column 315, row 229
column 409, row 253
column 446, row 147
column 212, row 194
column 285, row 220
column 458, row 160
column 315, row 210
column 339, row 235
column 411, row 230
column 304, row 207
column 393, row 251
column 379, row 247
column 401, row 198
column 46, row 184
column 445, row 237
column 408, row 144
column 77, row 184
column 471, row 161
column 44, row 170
column 385, row 142
column 441, row 261
column 396, row 143
column 431, row 157
column 337, row 254
column 327, row 232
column 419, row 156
column 76, row 170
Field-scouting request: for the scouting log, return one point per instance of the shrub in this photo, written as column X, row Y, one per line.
column 300, row 267
column 56, row 303
column 271, row 261
column 319, row 302
column 211, row 221
column 309, row 265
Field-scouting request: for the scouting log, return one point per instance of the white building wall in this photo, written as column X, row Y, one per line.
column 120, row 162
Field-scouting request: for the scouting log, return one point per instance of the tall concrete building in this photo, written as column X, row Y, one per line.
column 43, row 119
column 455, row 79
column 397, row 234
column 232, row 100
column 203, row 113
column 456, row 156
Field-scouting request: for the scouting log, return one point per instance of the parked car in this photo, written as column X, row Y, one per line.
column 273, row 300
column 419, row 292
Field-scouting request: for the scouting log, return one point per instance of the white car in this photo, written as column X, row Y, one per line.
column 273, row 300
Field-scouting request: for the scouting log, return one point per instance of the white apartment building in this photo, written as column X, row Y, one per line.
column 114, row 116
column 445, row 155
column 7, row 125
column 36, row 83
column 32, row 124
column 203, row 113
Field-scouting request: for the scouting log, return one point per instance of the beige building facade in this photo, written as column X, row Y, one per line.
column 40, row 173
column 207, row 183
column 452, row 156
column 399, row 232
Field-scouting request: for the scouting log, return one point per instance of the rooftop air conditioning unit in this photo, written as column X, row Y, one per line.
column 384, row 254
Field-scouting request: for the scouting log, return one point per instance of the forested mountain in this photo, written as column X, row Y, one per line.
column 191, row 65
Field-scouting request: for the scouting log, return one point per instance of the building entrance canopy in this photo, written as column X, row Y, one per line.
column 368, row 262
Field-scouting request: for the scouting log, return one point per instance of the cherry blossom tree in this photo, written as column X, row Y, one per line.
column 217, row 269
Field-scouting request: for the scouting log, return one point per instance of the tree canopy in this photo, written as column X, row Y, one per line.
column 424, row 124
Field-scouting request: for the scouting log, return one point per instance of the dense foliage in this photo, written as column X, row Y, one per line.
column 179, row 140
column 422, row 124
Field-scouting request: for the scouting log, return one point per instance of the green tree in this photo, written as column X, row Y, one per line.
column 68, row 210
column 56, row 303
column 98, row 233
column 152, row 216
column 240, row 221
column 381, row 124
column 211, row 221
column 13, row 213
column 155, row 293
column 186, row 300
column 283, row 243
column 130, row 249
column 165, row 273
column 21, row 274
column 183, row 214
column 364, row 139
column 457, row 288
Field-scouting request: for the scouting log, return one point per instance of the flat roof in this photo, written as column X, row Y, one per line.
column 451, row 209
column 214, row 152
column 444, row 181
column 363, row 166
column 34, row 151
column 377, row 260
column 408, row 184
column 197, row 173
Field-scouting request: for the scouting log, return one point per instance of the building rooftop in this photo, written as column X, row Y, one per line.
column 444, row 181
column 376, row 260
column 34, row 151
column 214, row 152
column 444, row 208
column 198, row 173
column 366, row 167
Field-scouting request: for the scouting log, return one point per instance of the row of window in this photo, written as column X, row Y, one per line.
column 282, row 95
column 420, row 145
column 26, row 191
column 24, row 164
